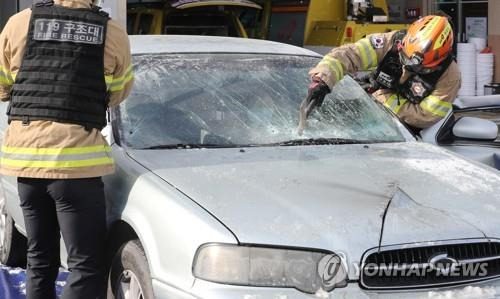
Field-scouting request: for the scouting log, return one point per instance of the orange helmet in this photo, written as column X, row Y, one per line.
column 428, row 42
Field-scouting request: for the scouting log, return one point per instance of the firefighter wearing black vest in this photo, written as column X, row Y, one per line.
column 62, row 64
column 59, row 54
column 414, row 75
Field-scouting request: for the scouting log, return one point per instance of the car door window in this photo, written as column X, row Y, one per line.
column 131, row 22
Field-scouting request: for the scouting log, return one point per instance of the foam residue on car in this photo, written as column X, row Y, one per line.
column 469, row 292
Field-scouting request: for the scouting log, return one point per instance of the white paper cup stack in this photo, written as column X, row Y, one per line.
column 479, row 43
column 484, row 71
column 466, row 57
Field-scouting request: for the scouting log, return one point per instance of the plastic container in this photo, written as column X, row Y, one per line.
column 493, row 88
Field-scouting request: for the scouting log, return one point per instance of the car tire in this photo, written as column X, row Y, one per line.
column 13, row 245
column 129, row 275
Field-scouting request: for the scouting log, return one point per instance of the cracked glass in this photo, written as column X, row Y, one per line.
column 242, row 99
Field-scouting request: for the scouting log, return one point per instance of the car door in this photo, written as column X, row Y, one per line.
column 9, row 183
column 471, row 129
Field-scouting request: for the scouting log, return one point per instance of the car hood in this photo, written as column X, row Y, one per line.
column 335, row 197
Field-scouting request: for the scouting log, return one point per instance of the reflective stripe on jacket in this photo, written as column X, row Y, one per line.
column 70, row 157
column 430, row 104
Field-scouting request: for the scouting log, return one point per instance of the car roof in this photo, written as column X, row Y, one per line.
column 185, row 44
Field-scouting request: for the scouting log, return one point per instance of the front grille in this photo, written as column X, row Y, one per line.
column 430, row 264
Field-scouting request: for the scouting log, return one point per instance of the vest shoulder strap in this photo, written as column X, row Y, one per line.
column 397, row 39
column 389, row 70
column 98, row 10
column 418, row 87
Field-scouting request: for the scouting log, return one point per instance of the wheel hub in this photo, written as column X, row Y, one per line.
column 129, row 286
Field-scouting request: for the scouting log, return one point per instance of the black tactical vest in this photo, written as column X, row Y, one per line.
column 417, row 86
column 62, row 73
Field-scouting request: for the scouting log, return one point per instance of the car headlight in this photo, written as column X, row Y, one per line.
column 307, row 271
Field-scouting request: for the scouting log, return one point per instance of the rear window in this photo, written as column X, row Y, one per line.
column 130, row 22
column 145, row 22
column 194, row 22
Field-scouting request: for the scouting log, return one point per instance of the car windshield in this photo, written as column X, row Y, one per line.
column 242, row 100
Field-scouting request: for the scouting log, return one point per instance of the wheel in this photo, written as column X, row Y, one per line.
column 13, row 245
column 129, row 276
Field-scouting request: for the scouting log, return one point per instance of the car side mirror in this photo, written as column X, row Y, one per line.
column 475, row 128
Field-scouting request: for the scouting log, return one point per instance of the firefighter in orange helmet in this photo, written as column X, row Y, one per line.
column 414, row 75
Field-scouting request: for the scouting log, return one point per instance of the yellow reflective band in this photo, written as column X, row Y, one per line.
column 56, row 164
column 394, row 103
column 108, row 79
column 117, row 84
column 121, row 85
column 426, row 34
column 442, row 37
column 398, row 107
column 334, row 65
column 436, row 106
column 56, row 151
column 368, row 54
column 4, row 81
column 6, row 76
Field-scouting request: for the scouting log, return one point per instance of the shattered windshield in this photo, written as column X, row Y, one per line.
column 239, row 100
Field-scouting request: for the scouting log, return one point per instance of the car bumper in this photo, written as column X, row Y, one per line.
column 208, row 290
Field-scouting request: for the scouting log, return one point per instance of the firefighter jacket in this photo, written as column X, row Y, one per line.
column 58, row 144
column 367, row 54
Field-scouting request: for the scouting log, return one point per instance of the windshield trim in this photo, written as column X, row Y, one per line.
column 225, row 53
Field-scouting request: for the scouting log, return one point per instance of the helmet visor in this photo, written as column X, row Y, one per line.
column 414, row 64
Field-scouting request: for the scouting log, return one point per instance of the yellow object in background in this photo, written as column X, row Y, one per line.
column 328, row 24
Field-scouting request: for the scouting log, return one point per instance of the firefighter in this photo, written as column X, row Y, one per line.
column 415, row 74
column 62, row 64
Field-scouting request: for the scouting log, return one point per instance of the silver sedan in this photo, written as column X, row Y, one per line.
column 216, row 195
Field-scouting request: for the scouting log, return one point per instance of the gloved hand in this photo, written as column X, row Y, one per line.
column 317, row 91
column 315, row 97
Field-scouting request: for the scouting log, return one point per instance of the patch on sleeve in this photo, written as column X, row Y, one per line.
column 68, row 31
column 377, row 41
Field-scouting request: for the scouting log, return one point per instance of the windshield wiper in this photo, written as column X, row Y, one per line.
column 324, row 141
column 189, row 146
column 186, row 146
column 293, row 142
